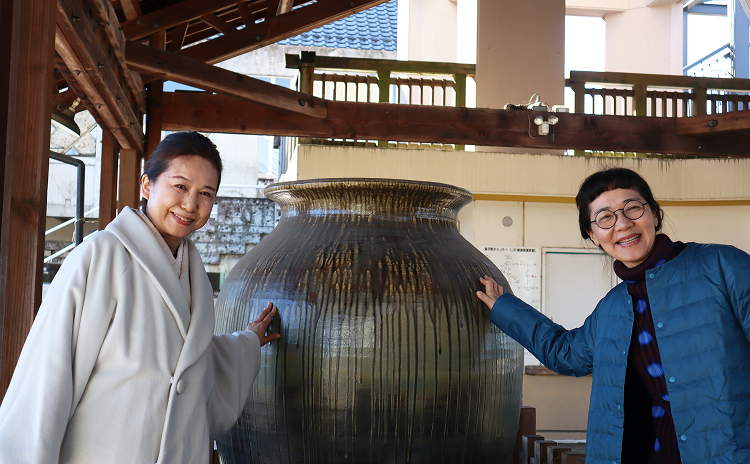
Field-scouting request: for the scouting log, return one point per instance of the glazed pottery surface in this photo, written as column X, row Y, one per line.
column 386, row 354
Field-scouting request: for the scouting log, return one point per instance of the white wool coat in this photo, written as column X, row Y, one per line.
column 118, row 368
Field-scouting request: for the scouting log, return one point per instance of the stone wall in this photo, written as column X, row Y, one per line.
column 240, row 224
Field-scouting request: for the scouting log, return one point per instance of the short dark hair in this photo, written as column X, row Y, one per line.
column 611, row 179
column 179, row 144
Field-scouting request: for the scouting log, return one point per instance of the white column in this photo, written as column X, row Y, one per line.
column 645, row 39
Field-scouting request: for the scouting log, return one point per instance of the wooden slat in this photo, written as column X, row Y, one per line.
column 108, row 20
column 217, row 23
column 178, row 37
column 129, row 184
column 190, row 72
column 288, row 25
column 26, row 55
column 448, row 125
column 723, row 123
column 108, row 180
column 81, row 51
column 167, row 18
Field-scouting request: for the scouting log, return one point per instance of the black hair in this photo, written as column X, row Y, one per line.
column 179, row 144
column 611, row 179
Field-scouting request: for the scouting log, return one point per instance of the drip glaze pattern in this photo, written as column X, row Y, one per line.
column 386, row 353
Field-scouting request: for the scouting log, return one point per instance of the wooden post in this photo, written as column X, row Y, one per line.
column 554, row 454
column 540, row 450
column 27, row 37
column 108, row 180
column 700, row 98
column 306, row 76
column 527, row 447
column 155, row 92
column 639, row 100
column 579, row 99
column 526, row 426
column 384, row 95
column 130, row 176
column 460, row 89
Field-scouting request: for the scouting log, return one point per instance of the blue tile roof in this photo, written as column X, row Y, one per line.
column 371, row 29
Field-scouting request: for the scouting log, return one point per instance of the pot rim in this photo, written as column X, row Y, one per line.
column 437, row 187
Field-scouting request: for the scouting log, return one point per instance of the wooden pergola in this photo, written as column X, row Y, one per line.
column 114, row 55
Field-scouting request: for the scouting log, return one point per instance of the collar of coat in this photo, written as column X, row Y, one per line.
column 195, row 321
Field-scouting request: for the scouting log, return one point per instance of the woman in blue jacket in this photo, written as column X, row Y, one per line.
column 669, row 347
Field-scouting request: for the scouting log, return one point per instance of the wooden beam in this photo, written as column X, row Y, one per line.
column 155, row 90
column 108, row 21
column 167, row 18
column 131, row 8
column 295, row 22
column 285, row 6
column 433, row 124
column 27, row 35
column 83, row 55
column 108, row 180
column 714, row 123
column 130, row 175
column 272, row 9
column 64, row 99
column 246, row 12
column 187, row 71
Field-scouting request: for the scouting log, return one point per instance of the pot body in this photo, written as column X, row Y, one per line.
column 386, row 354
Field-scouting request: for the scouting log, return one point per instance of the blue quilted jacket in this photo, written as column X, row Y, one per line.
column 700, row 303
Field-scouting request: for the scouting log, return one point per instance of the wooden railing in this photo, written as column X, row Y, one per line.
column 656, row 95
column 382, row 81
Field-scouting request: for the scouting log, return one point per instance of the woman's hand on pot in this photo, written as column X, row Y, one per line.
column 492, row 291
column 261, row 324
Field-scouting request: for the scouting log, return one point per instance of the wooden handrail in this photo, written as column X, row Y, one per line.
column 659, row 80
column 375, row 65
column 640, row 83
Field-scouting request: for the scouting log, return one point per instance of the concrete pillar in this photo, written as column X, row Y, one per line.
column 645, row 39
column 432, row 30
column 740, row 38
column 520, row 52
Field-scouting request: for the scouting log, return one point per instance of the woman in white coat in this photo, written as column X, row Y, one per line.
column 121, row 364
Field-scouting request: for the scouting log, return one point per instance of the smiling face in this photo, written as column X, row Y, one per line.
column 630, row 241
column 181, row 198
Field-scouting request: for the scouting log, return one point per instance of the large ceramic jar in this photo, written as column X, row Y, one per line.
column 386, row 354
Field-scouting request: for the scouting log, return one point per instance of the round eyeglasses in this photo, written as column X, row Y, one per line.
column 632, row 210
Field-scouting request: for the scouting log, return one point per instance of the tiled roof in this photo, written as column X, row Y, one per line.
column 371, row 29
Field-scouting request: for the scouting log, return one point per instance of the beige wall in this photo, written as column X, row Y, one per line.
column 706, row 200
column 645, row 39
column 561, row 404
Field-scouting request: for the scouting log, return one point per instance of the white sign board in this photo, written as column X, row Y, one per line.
column 522, row 267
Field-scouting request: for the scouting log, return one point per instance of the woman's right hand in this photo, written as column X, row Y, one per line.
column 261, row 326
column 492, row 291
